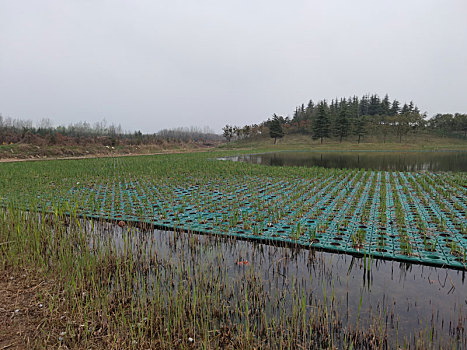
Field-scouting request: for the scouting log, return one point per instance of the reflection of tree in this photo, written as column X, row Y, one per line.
column 276, row 160
column 391, row 161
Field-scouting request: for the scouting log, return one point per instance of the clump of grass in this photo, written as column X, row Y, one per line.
column 358, row 238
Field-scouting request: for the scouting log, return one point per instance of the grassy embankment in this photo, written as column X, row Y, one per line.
column 304, row 142
column 257, row 144
column 33, row 152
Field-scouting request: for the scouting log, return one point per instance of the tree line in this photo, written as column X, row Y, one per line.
column 14, row 130
column 345, row 117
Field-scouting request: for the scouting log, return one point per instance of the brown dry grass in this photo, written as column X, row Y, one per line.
column 23, row 314
column 148, row 152
column 25, row 152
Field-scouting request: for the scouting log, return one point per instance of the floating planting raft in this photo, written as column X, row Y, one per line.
column 410, row 217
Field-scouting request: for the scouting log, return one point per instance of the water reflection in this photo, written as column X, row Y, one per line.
column 404, row 298
column 385, row 161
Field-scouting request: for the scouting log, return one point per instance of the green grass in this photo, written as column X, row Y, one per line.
column 304, row 142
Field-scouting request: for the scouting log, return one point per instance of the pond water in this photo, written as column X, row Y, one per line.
column 375, row 160
column 404, row 299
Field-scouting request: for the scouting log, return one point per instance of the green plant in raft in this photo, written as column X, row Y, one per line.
column 381, row 242
column 246, row 223
column 233, row 220
column 338, row 230
column 358, row 238
column 456, row 249
column 296, row 231
column 429, row 245
column 406, row 246
column 312, row 234
column 256, row 229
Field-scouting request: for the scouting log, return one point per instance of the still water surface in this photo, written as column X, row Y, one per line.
column 385, row 161
column 407, row 298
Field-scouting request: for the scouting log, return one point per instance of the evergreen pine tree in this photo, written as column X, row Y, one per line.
column 385, row 105
column 374, row 106
column 275, row 128
column 360, row 127
column 364, row 105
column 309, row 108
column 321, row 125
column 342, row 124
column 353, row 111
column 405, row 109
column 395, row 108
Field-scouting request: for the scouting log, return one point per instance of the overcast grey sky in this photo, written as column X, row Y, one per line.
column 154, row 64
